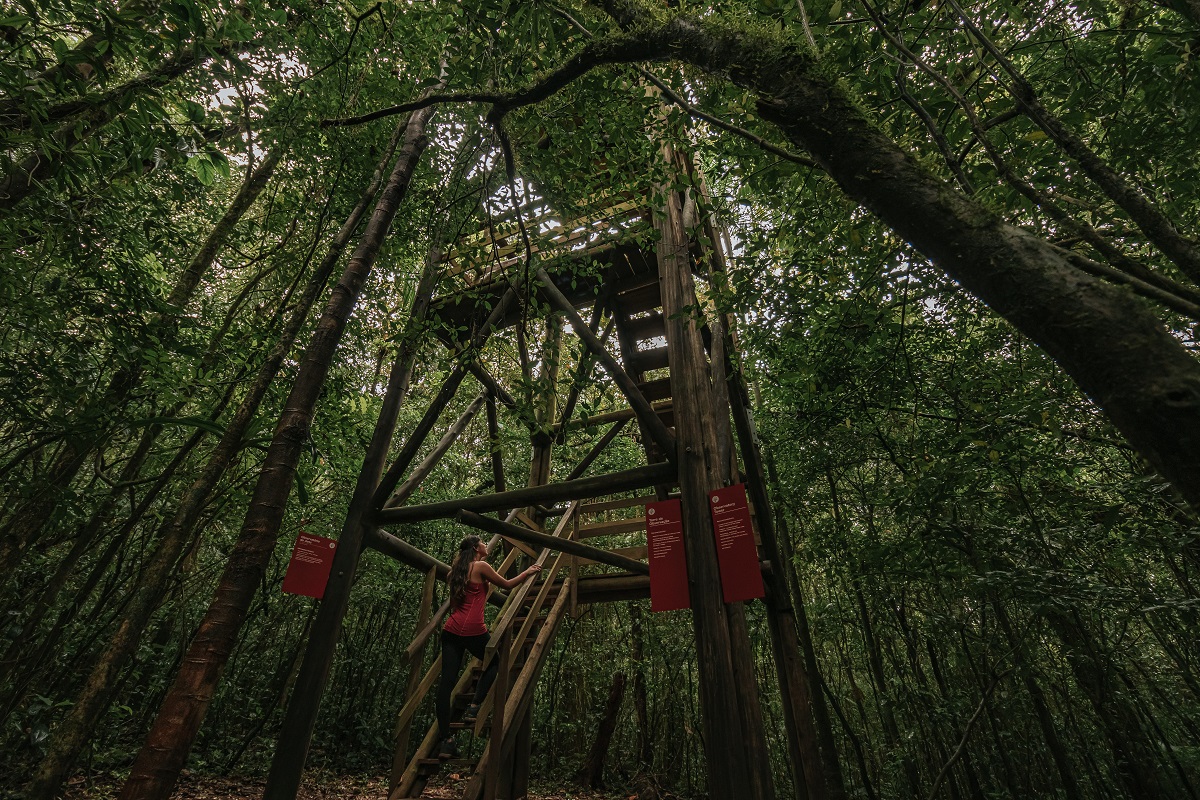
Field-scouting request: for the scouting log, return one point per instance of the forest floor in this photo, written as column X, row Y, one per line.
column 194, row 787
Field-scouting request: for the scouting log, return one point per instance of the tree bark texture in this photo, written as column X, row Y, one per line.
column 174, row 731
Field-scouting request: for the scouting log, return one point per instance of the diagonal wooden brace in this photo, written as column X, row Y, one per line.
column 641, row 407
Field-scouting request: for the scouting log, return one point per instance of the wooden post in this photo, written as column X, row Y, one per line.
column 734, row 769
column 400, row 759
column 291, row 750
column 515, row 783
column 417, row 437
column 815, row 762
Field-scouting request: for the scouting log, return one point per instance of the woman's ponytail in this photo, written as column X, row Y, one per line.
column 460, row 568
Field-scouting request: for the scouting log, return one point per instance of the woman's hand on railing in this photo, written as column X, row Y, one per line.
column 532, row 571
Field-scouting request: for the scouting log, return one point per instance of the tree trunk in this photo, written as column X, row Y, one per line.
column 163, row 755
column 592, row 772
column 173, row 538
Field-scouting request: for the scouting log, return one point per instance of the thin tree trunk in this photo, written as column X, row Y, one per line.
column 174, row 538
column 592, row 772
column 163, row 755
column 1139, row 769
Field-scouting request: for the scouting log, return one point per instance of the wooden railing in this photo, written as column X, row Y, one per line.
column 510, row 635
column 506, row 643
column 488, row 254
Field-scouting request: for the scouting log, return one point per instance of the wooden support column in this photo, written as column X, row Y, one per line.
column 737, row 761
column 515, row 780
column 291, row 750
column 417, row 438
column 810, row 737
column 816, row 772
column 538, row 539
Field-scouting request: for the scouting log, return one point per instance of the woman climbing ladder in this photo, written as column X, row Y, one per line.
column 465, row 630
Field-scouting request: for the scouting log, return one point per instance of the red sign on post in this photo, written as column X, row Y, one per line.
column 668, row 564
column 308, row 571
column 737, row 555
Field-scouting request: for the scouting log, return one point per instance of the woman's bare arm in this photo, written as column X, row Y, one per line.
column 482, row 571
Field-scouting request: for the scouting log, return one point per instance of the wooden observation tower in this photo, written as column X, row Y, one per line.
column 622, row 276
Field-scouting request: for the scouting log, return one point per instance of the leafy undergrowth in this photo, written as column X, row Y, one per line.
column 195, row 787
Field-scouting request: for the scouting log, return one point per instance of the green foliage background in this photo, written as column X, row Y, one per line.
column 983, row 560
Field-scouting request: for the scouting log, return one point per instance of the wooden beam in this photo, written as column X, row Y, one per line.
column 551, row 542
column 596, row 450
column 422, row 470
column 415, row 439
column 583, row 373
column 405, row 553
column 402, row 462
column 620, row 415
column 596, row 486
column 491, row 384
column 654, row 426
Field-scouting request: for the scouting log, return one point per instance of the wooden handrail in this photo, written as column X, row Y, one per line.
column 503, row 627
column 535, row 538
column 517, row 598
column 518, row 700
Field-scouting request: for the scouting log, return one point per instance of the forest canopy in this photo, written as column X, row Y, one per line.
column 961, row 272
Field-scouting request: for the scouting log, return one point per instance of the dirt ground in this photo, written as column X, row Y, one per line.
column 193, row 787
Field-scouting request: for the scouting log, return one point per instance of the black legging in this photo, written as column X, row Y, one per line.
column 453, row 647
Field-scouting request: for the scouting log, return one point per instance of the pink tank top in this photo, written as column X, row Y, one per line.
column 467, row 619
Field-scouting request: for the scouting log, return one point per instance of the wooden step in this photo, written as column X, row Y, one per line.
column 648, row 360
column 611, row 527
column 644, row 298
column 658, row 389
column 649, row 327
column 459, row 725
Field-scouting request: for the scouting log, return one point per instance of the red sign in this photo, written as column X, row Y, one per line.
column 668, row 564
column 308, row 571
column 737, row 555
